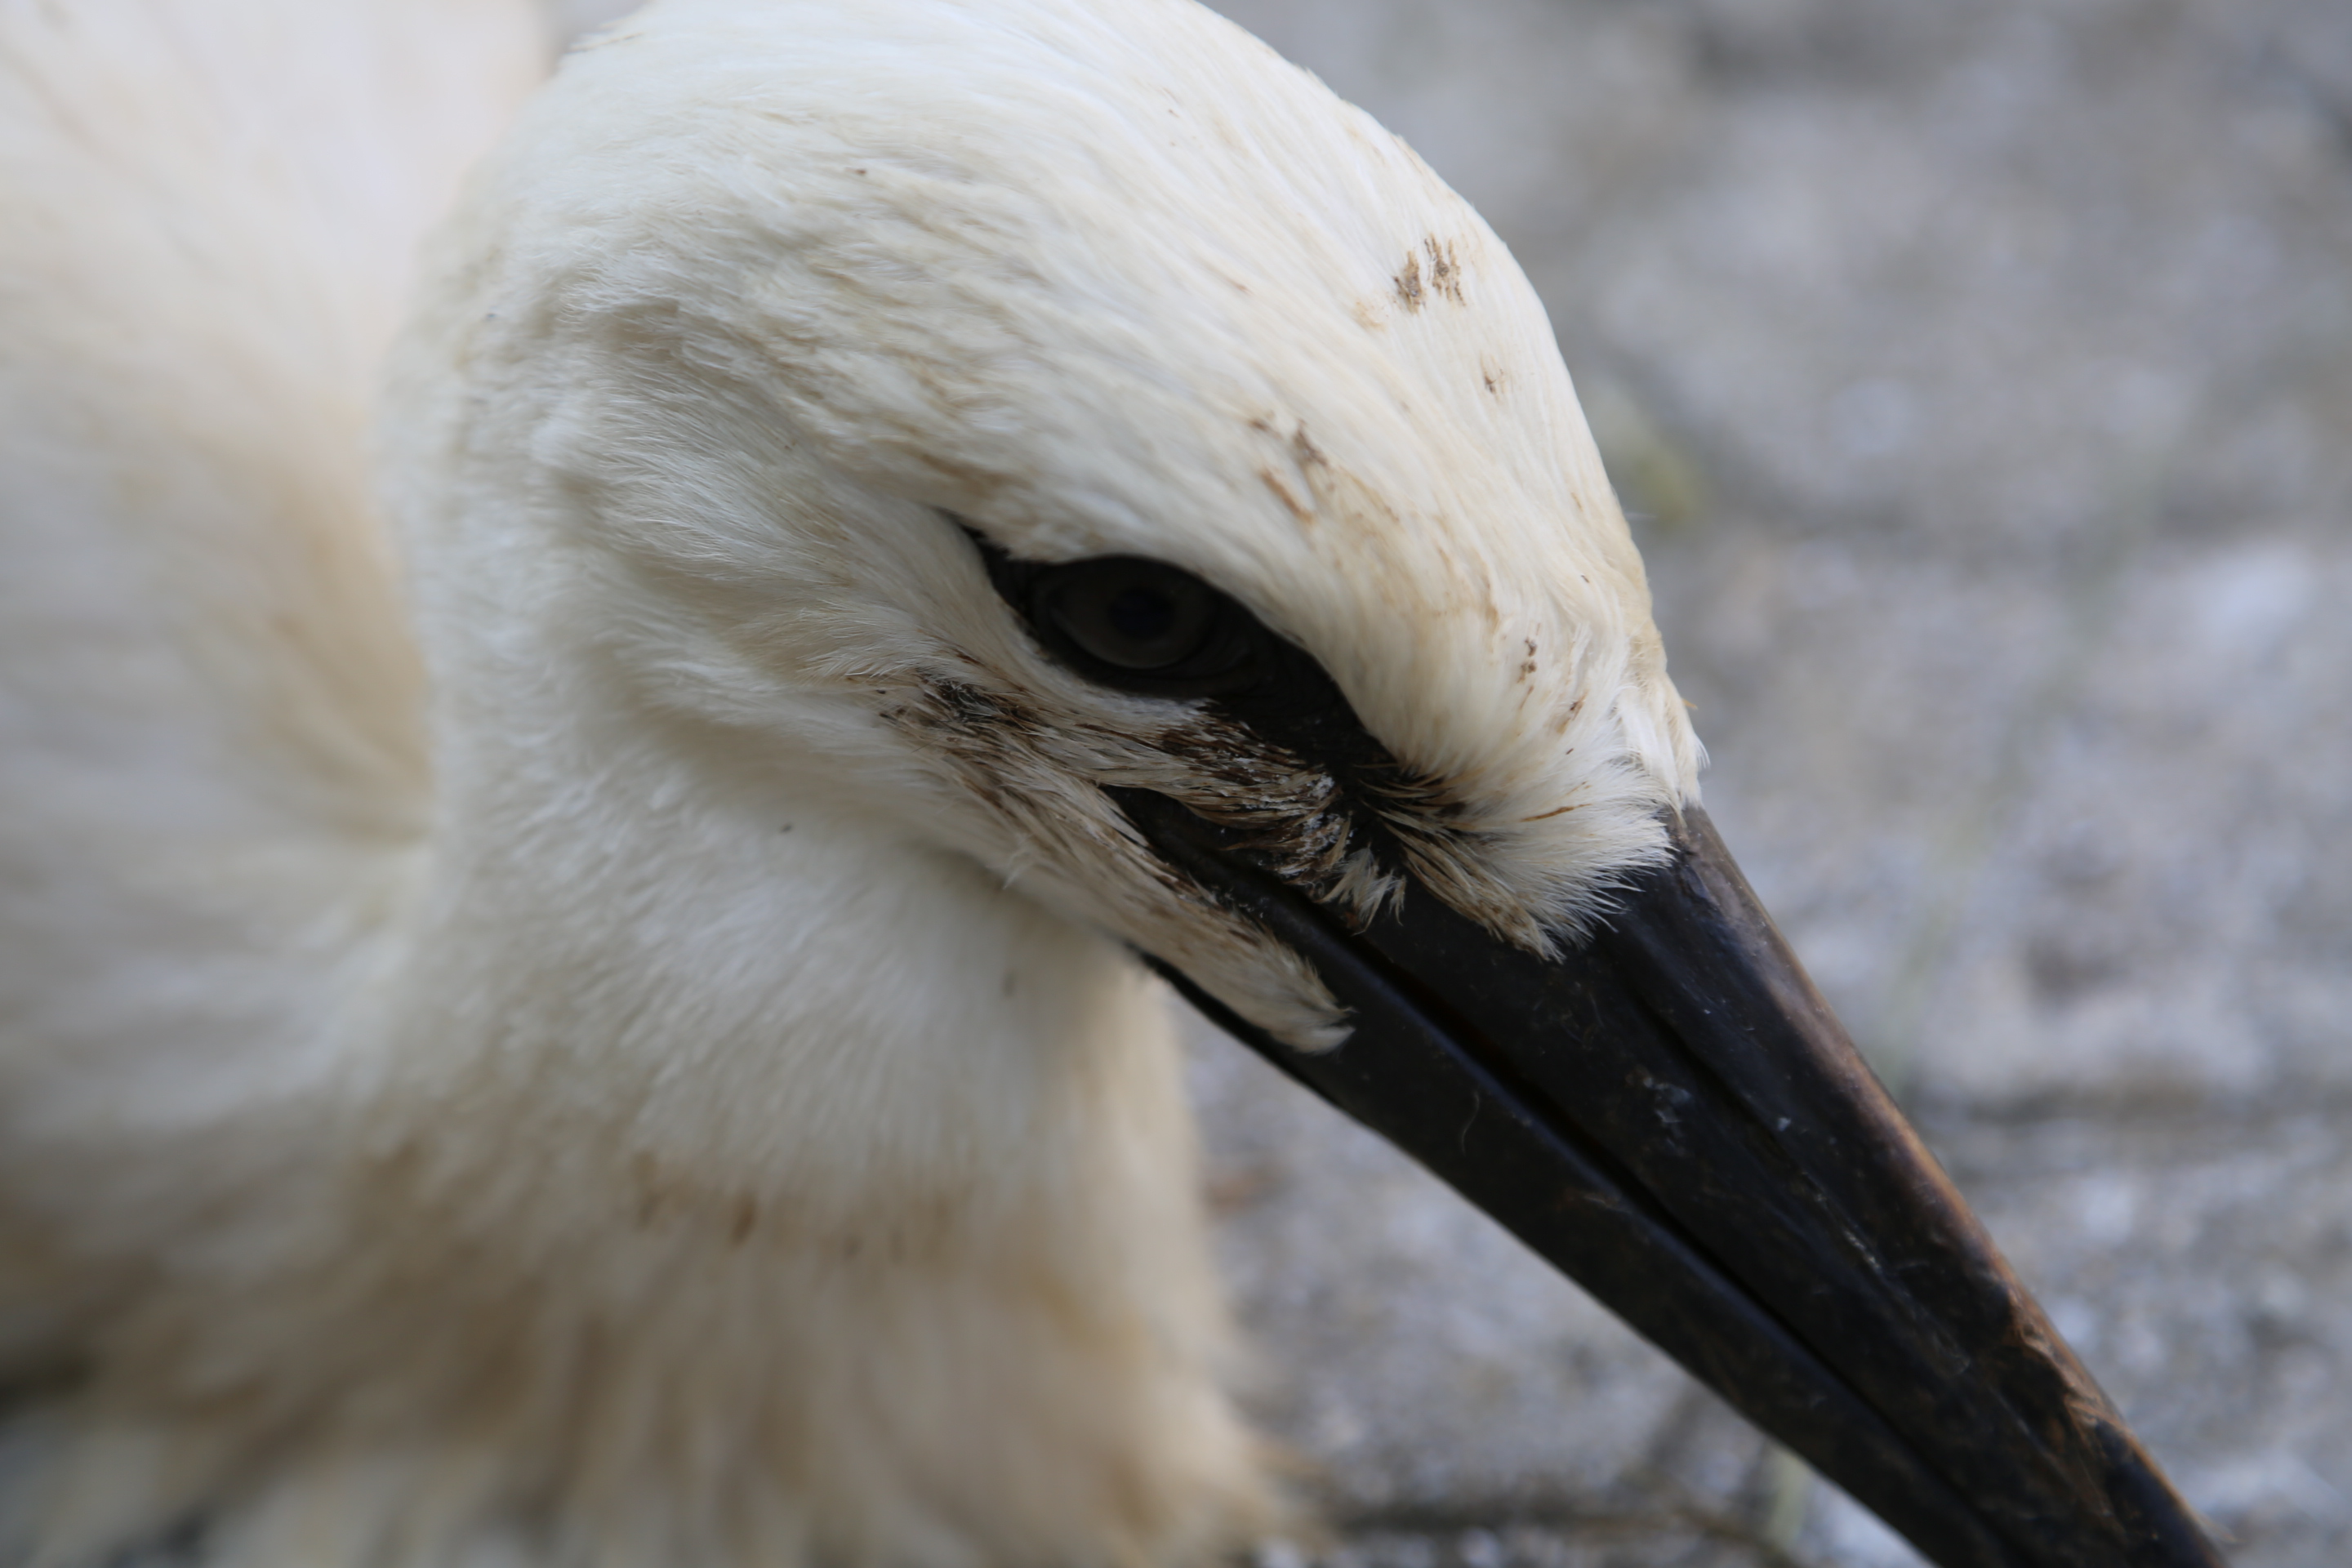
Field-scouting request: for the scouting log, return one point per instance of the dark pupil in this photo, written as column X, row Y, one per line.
column 1145, row 615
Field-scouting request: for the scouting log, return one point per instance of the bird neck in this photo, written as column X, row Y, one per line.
column 719, row 1154
column 676, row 952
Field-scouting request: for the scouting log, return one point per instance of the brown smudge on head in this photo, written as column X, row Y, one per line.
column 1407, row 283
column 1493, row 376
column 1002, row 752
column 985, row 735
column 1345, row 841
column 1297, row 508
column 1313, row 467
column 1339, row 495
column 1445, row 272
column 1367, row 312
column 1349, row 838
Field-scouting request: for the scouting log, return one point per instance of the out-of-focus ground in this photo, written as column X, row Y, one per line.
column 1981, row 373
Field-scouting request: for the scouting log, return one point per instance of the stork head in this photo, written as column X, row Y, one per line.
column 1068, row 434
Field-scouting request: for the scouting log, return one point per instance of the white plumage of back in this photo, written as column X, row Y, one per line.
column 678, row 1095
column 211, row 753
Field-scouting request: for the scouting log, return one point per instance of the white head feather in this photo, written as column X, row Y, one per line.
column 755, row 293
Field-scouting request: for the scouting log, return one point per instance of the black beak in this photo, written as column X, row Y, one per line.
column 1673, row 1117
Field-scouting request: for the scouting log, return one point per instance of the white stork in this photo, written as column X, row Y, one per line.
column 629, row 1045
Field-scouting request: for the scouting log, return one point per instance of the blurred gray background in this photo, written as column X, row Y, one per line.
column 1980, row 374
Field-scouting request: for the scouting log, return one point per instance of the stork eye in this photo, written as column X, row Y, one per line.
column 1144, row 626
column 1132, row 615
column 1139, row 624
